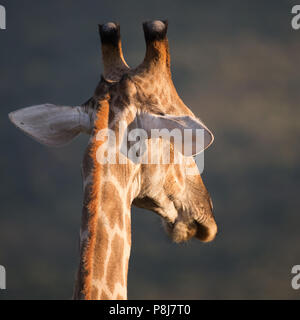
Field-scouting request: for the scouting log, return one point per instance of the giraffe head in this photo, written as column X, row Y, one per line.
column 145, row 98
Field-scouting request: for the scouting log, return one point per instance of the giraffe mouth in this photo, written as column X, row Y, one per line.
column 181, row 231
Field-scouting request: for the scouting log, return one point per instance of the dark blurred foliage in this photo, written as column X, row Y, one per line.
column 236, row 64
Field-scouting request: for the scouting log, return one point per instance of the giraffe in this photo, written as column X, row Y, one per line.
column 142, row 97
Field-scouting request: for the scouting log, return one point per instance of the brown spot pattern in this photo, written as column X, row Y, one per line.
column 104, row 296
column 101, row 247
column 112, row 204
column 128, row 229
column 94, row 294
column 115, row 263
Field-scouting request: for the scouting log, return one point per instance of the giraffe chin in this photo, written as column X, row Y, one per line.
column 181, row 231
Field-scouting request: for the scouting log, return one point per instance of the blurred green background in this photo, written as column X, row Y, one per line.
column 236, row 65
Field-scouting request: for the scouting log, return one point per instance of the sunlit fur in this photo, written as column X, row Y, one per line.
column 101, row 122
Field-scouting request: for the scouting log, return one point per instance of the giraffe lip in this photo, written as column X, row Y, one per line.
column 203, row 230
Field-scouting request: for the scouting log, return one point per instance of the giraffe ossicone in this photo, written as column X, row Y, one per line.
column 142, row 98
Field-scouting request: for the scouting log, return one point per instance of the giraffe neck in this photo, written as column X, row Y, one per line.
column 106, row 228
column 111, row 246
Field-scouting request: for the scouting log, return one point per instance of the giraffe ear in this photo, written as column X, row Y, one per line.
column 51, row 125
column 191, row 136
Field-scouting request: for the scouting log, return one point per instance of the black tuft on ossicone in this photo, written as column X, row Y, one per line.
column 110, row 33
column 155, row 30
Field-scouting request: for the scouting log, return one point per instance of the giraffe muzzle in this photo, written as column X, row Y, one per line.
column 182, row 231
column 206, row 232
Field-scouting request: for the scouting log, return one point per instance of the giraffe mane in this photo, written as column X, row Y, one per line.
column 101, row 122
